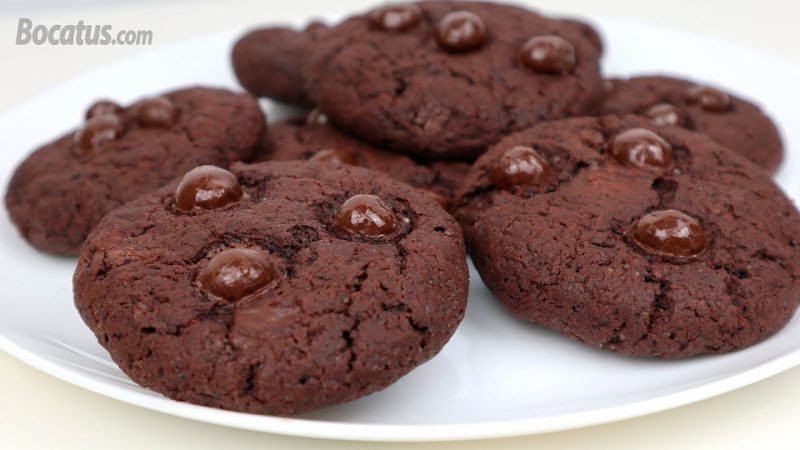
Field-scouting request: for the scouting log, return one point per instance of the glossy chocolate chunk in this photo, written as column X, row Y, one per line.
column 207, row 187
column 665, row 114
column 461, row 31
column 641, row 148
column 710, row 99
column 549, row 54
column 335, row 156
column 236, row 273
column 366, row 215
column 670, row 233
column 399, row 17
column 96, row 131
column 103, row 107
column 521, row 165
column 156, row 112
column 316, row 117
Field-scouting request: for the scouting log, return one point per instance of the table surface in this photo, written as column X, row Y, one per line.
column 38, row 411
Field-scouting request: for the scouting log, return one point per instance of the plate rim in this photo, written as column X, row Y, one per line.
column 325, row 429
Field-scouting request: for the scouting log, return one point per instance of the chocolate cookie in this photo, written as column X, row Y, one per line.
column 733, row 122
column 268, row 61
column 649, row 241
column 445, row 79
column 63, row 189
column 276, row 288
column 313, row 138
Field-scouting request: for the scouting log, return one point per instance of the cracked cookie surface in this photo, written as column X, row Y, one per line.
column 734, row 122
column 339, row 315
column 405, row 90
column 62, row 190
column 295, row 139
column 567, row 253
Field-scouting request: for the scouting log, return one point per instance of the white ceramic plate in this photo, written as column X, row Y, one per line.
column 498, row 376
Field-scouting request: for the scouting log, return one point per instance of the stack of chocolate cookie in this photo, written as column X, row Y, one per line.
column 436, row 82
column 626, row 231
column 320, row 260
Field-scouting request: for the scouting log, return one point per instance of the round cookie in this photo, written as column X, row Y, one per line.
column 302, row 138
column 733, row 122
column 60, row 192
column 445, row 79
column 284, row 287
column 268, row 61
column 642, row 240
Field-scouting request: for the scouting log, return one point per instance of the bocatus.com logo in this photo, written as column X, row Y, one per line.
column 79, row 34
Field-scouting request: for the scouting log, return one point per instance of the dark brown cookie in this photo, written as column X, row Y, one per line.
column 643, row 240
column 268, row 61
column 310, row 138
column 445, row 79
column 63, row 189
column 300, row 285
column 733, row 122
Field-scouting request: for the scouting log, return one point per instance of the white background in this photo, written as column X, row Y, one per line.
column 37, row 411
